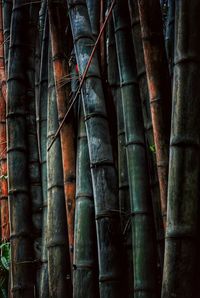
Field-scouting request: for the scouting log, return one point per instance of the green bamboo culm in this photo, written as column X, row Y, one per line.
column 123, row 186
column 144, row 95
column 57, row 240
column 85, row 276
column 42, row 126
column 184, row 165
column 144, row 245
column 7, row 11
column 104, row 178
column 18, row 184
column 35, row 186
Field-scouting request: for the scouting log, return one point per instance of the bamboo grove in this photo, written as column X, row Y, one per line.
column 99, row 148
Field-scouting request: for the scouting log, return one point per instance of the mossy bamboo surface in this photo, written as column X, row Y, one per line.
column 183, row 190
column 5, row 230
column 94, row 15
column 58, row 23
column 43, row 95
column 85, row 276
column 144, row 256
column 18, row 184
column 104, row 177
column 57, row 241
column 123, row 186
column 7, row 11
column 159, row 86
column 144, row 95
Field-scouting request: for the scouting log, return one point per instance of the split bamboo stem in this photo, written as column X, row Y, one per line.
column 58, row 23
column 104, row 177
column 184, row 166
column 159, row 86
column 59, row 271
column 144, row 256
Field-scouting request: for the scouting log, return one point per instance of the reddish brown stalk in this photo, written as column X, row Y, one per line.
column 58, row 22
column 159, row 88
column 5, row 231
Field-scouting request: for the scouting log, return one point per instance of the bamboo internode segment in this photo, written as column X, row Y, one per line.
column 159, row 86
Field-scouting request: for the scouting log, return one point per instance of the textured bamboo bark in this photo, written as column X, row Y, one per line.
column 57, row 243
column 144, row 95
column 18, row 184
column 123, row 186
column 85, row 277
column 104, row 177
column 144, row 256
column 5, row 231
column 94, row 15
column 43, row 95
column 7, row 11
column 58, row 23
column 159, row 88
column 169, row 36
column 183, row 191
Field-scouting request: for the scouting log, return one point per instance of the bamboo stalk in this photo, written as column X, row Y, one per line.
column 123, row 186
column 18, row 186
column 169, row 36
column 58, row 23
column 85, row 278
column 144, row 95
column 43, row 95
column 144, row 256
column 7, row 11
column 35, row 186
column 183, row 190
column 57, row 242
column 104, row 177
column 5, row 230
column 94, row 16
column 159, row 89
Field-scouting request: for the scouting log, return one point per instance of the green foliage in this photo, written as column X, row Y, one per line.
column 4, row 268
column 152, row 148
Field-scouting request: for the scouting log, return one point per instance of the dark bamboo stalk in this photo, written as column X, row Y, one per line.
column 104, row 178
column 159, row 88
column 85, row 277
column 169, row 36
column 144, row 95
column 7, row 11
column 5, row 231
column 18, row 184
column 183, row 191
column 144, row 256
column 33, row 154
column 57, row 243
column 58, row 23
column 43, row 95
column 123, row 186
